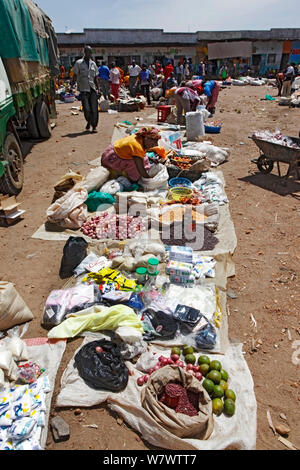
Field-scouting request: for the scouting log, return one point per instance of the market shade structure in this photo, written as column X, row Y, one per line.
column 226, row 50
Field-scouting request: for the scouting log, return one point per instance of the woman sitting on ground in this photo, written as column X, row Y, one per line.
column 129, row 154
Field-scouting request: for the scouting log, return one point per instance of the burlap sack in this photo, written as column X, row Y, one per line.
column 69, row 211
column 13, row 310
column 183, row 426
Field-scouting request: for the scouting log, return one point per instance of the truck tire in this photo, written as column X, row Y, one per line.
column 31, row 126
column 42, row 116
column 12, row 181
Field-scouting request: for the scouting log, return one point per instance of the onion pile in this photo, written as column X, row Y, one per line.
column 113, row 226
column 173, row 360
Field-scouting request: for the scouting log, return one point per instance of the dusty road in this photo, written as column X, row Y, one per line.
column 267, row 221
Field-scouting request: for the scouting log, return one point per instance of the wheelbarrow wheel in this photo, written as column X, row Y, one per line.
column 264, row 164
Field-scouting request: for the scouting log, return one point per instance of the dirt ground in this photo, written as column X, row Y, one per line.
column 266, row 217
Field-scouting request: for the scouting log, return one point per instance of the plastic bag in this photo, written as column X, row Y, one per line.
column 158, row 180
column 74, row 252
column 13, row 310
column 104, row 370
column 128, row 334
column 112, row 187
column 60, row 303
column 7, row 364
column 70, row 210
column 158, row 324
column 96, row 178
column 96, row 199
column 15, row 344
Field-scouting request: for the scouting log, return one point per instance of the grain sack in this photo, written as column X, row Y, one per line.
column 13, row 310
column 183, row 426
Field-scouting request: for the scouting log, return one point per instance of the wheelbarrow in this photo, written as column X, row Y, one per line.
column 276, row 152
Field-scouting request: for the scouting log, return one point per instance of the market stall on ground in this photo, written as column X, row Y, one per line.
column 146, row 265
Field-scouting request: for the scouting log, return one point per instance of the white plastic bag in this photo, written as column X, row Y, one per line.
column 159, row 180
column 112, row 187
column 96, row 178
column 70, row 211
column 128, row 334
column 15, row 344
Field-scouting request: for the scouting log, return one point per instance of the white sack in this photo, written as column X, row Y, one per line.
column 70, row 211
column 13, row 310
column 96, row 178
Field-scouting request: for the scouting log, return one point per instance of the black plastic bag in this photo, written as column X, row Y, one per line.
column 75, row 250
column 105, row 370
column 159, row 324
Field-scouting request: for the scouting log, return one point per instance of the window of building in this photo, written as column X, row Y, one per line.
column 271, row 58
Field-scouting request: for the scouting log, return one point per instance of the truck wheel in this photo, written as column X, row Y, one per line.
column 43, row 120
column 12, row 181
column 31, row 126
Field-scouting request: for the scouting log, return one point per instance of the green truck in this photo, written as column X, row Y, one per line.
column 28, row 70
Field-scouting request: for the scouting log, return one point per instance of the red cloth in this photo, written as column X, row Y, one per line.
column 169, row 69
column 115, row 90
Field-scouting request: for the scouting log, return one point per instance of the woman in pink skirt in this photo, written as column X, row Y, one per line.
column 129, row 154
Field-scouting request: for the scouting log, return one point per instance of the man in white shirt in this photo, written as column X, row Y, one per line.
column 134, row 71
column 86, row 76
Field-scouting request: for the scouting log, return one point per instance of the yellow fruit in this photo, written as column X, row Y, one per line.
column 176, row 350
column 215, row 376
column 215, row 365
column 190, row 359
column 187, row 350
column 224, row 385
column 229, row 407
column 230, row 394
column 203, row 360
column 218, row 392
column 217, row 406
column 204, row 369
column 208, row 385
column 224, row 375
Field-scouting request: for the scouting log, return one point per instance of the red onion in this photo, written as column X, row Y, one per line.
column 157, row 367
column 140, row 381
column 189, row 367
column 175, row 357
column 198, row 375
column 146, row 378
column 196, row 368
column 99, row 350
column 170, row 362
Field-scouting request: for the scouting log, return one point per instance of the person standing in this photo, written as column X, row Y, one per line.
column 115, row 78
column 134, row 72
column 145, row 79
column 287, row 81
column 86, row 76
column 104, row 76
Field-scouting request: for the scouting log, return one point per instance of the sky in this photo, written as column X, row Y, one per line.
column 172, row 15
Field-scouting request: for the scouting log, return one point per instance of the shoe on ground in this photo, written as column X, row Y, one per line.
column 88, row 126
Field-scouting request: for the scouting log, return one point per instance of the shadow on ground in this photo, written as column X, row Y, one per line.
column 274, row 183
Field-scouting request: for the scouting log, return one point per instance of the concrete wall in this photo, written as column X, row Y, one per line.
column 267, row 50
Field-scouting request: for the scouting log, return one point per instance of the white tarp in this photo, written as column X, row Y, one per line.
column 237, row 432
column 224, row 50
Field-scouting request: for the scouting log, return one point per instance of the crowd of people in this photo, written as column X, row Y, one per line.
column 184, row 84
column 174, row 83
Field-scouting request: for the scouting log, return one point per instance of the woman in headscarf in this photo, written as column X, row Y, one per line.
column 129, row 154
